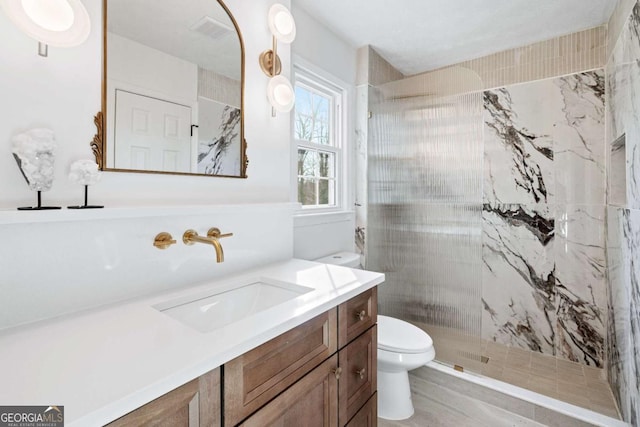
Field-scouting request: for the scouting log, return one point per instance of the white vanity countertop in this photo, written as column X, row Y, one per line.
column 104, row 363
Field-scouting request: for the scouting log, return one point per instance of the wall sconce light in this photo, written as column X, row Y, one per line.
column 279, row 90
column 61, row 23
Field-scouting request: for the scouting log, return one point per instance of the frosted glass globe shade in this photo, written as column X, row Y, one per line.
column 281, row 94
column 61, row 23
column 281, row 23
column 52, row 15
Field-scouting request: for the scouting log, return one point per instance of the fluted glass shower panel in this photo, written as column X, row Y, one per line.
column 425, row 159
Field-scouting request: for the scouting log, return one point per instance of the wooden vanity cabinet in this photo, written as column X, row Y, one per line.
column 358, row 381
column 367, row 416
column 194, row 404
column 321, row 373
column 312, row 401
column 357, row 315
column 256, row 377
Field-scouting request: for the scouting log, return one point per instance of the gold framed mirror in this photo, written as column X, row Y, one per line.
column 172, row 89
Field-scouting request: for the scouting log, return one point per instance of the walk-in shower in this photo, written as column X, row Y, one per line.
column 486, row 212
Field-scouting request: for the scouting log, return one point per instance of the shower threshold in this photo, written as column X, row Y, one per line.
column 442, row 384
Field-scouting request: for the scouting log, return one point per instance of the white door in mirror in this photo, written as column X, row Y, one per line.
column 152, row 134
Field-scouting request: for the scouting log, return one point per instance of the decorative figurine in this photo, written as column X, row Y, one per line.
column 34, row 152
column 85, row 172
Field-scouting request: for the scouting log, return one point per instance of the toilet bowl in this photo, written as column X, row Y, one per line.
column 401, row 348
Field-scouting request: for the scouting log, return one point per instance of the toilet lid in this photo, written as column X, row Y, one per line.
column 401, row 337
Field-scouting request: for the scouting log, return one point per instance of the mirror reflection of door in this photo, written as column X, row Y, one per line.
column 173, row 88
column 152, row 134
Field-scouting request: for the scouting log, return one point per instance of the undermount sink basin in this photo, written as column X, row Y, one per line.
column 208, row 312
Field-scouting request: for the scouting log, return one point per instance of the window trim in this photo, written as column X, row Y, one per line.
column 317, row 79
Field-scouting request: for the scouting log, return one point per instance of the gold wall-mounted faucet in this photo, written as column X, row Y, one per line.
column 191, row 237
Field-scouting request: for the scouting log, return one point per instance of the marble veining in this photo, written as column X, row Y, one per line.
column 618, row 310
column 541, row 227
column 631, row 236
column 623, row 219
column 581, row 287
column 579, row 158
column 518, row 278
column 516, row 151
column 219, row 156
column 544, row 259
column 623, row 112
column 361, row 201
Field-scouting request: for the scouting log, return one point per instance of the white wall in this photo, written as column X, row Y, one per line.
column 318, row 47
column 84, row 259
column 150, row 71
column 321, row 235
column 63, row 92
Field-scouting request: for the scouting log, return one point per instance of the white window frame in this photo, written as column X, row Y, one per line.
column 325, row 84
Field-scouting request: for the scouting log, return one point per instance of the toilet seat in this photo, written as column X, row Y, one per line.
column 397, row 336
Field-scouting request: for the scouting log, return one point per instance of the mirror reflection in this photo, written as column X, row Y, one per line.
column 173, row 88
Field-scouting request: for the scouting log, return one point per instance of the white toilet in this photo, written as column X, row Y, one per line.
column 401, row 348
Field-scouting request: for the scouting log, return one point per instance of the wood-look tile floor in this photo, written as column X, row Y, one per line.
column 436, row 406
column 571, row 382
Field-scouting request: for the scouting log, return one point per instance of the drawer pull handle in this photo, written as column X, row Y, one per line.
column 360, row 315
column 361, row 373
column 337, row 372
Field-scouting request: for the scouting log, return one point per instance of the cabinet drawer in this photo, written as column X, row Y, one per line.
column 357, row 315
column 358, row 379
column 312, row 401
column 367, row 416
column 256, row 377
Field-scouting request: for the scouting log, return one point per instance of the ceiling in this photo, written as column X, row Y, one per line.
column 421, row 35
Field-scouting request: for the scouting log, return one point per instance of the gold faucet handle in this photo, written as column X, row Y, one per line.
column 163, row 240
column 217, row 234
column 187, row 237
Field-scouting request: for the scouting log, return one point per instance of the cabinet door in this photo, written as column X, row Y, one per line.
column 358, row 381
column 194, row 404
column 311, row 402
column 357, row 315
column 367, row 416
column 256, row 377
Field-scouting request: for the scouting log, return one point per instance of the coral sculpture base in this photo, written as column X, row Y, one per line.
column 39, row 207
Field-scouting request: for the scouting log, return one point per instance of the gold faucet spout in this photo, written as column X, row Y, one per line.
column 191, row 237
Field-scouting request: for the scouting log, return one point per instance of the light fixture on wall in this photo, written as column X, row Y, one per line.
column 283, row 28
column 61, row 23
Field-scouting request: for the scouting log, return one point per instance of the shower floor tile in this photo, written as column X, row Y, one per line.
column 571, row 382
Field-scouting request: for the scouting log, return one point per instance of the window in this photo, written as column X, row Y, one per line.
column 318, row 132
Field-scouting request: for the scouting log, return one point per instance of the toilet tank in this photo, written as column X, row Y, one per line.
column 345, row 259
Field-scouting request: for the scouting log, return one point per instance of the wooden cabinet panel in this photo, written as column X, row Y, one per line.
column 367, row 416
column 358, row 381
column 194, row 404
column 357, row 315
column 259, row 375
column 311, row 402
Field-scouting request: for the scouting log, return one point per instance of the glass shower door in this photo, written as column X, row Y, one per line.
column 425, row 211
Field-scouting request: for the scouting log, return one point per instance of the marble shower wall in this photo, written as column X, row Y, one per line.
column 544, row 286
column 623, row 217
